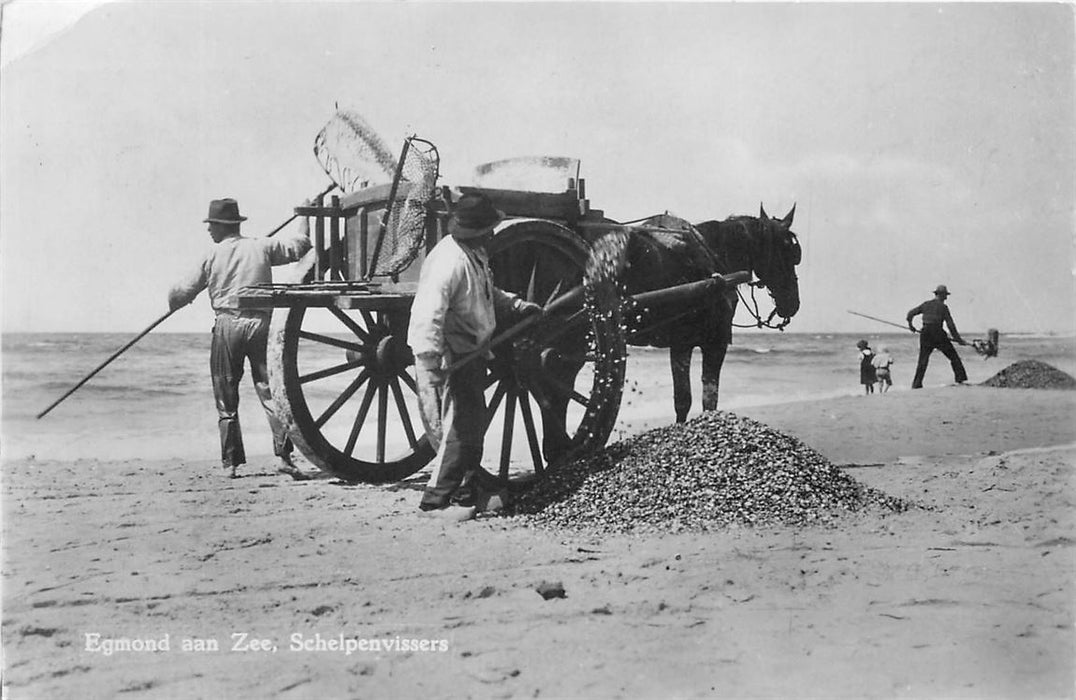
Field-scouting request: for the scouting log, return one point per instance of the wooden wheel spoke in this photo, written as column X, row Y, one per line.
column 342, row 398
column 330, row 371
column 405, row 416
column 564, row 389
column 509, row 429
column 409, row 381
column 494, row 403
column 352, row 326
column 554, row 293
column 360, row 419
column 368, row 317
column 328, row 340
column 382, row 420
column 531, row 281
column 532, row 432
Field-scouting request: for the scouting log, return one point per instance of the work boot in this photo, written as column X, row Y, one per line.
column 492, row 501
column 287, row 466
column 450, row 513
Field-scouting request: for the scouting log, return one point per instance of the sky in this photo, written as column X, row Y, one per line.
column 921, row 143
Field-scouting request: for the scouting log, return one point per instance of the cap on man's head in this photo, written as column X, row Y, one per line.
column 224, row 211
column 861, row 344
column 941, row 289
column 472, row 216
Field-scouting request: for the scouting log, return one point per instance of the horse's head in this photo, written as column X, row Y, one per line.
column 776, row 254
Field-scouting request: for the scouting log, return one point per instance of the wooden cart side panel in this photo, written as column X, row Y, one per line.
column 563, row 206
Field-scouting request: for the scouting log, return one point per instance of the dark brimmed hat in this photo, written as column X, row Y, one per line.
column 862, row 344
column 473, row 215
column 941, row 289
column 224, row 211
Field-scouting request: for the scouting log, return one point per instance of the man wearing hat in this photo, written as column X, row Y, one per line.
column 455, row 313
column 240, row 334
column 932, row 337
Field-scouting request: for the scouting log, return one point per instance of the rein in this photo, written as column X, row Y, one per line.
column 753, row 310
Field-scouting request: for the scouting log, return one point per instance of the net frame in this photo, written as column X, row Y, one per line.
column 402, row 232
column 355, row 157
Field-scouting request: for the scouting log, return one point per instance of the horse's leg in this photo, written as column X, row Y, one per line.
column 680, row 361
column 555, row 438
column 713, row 357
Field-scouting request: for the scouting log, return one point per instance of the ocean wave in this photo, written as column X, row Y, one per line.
column 749, row 350
column 1039, row 336
column 118, row 390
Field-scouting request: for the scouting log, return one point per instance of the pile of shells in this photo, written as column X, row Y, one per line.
column 717, row 470
column 1031, row 374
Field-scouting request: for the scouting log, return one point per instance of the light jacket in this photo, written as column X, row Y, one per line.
column 234, row 263
column 455, row 307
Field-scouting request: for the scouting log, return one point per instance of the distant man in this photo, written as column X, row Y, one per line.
column 454, row 314
column 240, row 334
column 932, row 337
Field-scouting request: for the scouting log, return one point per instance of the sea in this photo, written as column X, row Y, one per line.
column 155, row 400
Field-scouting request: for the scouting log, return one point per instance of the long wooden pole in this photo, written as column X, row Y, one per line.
column 881, row 320
column 890, row 323
column 104, row 364
column 149, row 328
column 682, row 292
column 572, row 296
column 278, row 229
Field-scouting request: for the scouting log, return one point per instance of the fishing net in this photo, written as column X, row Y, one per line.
column 356, row 158
column 352, row 154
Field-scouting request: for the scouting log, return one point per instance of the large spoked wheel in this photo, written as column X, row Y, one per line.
column 343, row 380
column 343, row 386
column 555, row 392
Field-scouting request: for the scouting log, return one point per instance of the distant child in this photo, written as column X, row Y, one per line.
column 882, row 362
column 867, row 375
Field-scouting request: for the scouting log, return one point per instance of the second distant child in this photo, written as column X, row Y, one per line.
column 882, row 362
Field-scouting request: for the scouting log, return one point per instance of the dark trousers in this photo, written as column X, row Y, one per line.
column 933, row 338
column 237, row 338
column 463, row 426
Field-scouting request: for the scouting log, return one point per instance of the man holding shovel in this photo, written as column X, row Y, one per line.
column 454, row 313
column 933, row 337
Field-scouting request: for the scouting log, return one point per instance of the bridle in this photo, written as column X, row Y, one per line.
column 752, row 308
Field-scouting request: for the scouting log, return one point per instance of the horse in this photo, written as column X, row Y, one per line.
column 664, row 251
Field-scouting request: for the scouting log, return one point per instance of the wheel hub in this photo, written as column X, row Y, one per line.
column 383, row 354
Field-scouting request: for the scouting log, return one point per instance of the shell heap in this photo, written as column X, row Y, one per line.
column 717, row 470
column 1031, row 374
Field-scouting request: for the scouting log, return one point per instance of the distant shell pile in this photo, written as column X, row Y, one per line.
column 1031, row 374
column 714, row 471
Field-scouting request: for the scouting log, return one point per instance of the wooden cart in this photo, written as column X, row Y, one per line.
column 342, row 373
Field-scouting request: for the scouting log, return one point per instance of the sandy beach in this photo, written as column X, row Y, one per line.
column 263, row 587
column 860, row 162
